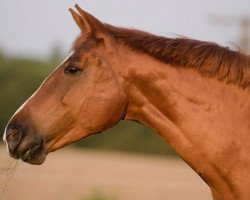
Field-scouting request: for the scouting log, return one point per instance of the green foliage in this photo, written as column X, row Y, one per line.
column 128, row 136
column 20, row 77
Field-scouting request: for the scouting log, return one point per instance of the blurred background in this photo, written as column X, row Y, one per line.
column 128, row 161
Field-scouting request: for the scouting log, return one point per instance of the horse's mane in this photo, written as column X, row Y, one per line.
column 208, row 58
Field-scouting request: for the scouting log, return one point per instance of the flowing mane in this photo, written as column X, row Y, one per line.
column 208, row 58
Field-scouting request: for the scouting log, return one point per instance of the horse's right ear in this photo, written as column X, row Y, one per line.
column 79, row 21
column 89, row 25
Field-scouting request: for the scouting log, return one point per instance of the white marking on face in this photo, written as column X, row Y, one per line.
column 5, row 141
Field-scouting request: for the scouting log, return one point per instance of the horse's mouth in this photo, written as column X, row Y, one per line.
column 34, row 154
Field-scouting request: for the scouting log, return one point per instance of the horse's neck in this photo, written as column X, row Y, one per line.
column 204, row 120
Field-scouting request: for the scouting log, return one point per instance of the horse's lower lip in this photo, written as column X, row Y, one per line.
column 32, row 153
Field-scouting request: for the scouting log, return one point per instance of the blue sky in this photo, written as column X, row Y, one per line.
column 32, row 28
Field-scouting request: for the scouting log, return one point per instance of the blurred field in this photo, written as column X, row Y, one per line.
column 71, row 174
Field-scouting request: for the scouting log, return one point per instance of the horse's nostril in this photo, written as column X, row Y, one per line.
column 14, row 136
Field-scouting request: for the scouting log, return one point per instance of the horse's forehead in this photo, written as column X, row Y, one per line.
column 83, row 51
column 82, row 54
column 83, row 44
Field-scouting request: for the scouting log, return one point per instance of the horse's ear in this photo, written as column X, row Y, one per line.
column 88, row 24
column 79, row 21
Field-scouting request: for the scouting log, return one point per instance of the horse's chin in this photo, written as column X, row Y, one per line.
column 36, row 161
column 36, row 158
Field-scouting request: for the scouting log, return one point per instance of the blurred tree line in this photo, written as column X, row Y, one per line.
column 20, row 77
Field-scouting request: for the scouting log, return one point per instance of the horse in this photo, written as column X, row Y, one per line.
column 194, row 94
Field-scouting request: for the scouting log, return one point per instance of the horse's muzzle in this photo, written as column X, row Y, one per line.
column 21, row 146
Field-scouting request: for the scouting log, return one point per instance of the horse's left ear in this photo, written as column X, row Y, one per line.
column 89, row 25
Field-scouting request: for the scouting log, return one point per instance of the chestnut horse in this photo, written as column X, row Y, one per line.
column 194, row 94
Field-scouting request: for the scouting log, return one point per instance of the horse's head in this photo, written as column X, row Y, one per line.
column 82, row 96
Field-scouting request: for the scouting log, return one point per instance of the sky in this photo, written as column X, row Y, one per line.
column 33, row 28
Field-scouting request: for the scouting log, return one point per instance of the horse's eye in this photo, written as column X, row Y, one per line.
column 72, row 70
